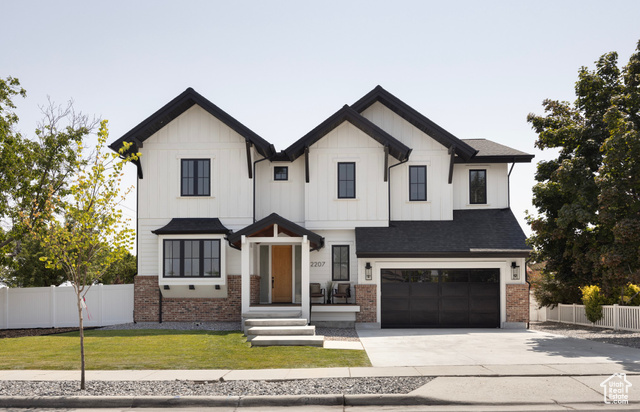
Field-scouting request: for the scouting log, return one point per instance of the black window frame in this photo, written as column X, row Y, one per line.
column 472, row 198
column 340, row 262
column 345, row 181
column 280, row 178
column 417, row 184
column 201, row 258
column 195, row 178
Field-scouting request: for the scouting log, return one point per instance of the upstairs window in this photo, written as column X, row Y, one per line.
column 191, row 258
column 417, row 183
column 478, row 187
column 340, row 263
column 346, row 180
column 280, row 173
column 195, row 177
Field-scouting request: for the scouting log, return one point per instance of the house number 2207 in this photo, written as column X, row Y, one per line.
column 317, row 264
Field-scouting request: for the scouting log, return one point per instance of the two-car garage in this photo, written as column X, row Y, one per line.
column 440, row 298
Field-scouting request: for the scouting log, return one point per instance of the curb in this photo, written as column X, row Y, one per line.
column 233, row 401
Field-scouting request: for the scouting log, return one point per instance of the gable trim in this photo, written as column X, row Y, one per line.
column 175, row 108
column 396, row 148
column 422, row 123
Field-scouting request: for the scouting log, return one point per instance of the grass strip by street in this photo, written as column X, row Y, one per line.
column 165, row 349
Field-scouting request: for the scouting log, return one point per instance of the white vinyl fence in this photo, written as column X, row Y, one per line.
column 614, row 316
column 56, row 307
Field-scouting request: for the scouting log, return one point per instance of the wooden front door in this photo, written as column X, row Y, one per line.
column 281, row 274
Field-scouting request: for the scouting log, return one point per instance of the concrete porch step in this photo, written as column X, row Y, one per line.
column 275, row 322
column 293, row 340
column 272, row 314
column 281, row 330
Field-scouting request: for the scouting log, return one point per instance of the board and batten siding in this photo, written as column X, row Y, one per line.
column 426, row 152
column 497, row 186
column 323, row 208
column 286, row 198
column 195, row 134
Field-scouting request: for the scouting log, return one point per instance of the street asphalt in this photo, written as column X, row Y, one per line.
column 472, row 369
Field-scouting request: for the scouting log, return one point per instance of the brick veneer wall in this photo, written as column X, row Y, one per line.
column 366, row 298
column 147, row 299
column 518, row 303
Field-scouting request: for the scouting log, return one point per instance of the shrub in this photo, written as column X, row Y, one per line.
column 592, row 300
column 631, row 295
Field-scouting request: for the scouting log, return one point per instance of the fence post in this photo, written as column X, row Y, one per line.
column 616, row 317
column 6, row 308
column 101, row 297
column 574, row 313
column 53, row 305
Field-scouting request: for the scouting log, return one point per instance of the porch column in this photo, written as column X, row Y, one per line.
column 245, row 274
column 306, row 308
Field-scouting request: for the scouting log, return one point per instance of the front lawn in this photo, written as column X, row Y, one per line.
column 165, row 349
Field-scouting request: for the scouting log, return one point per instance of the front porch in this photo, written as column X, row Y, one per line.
column 278, row 251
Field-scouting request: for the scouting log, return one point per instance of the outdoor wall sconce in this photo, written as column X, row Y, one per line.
column 515, row 271
column 367, row 271
column 166, row 287
column 191, row 287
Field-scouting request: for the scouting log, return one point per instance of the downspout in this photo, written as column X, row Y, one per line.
column 159, row 305
column 509, row 185
column 526, row 280
column 254, row 185
column 389, row 186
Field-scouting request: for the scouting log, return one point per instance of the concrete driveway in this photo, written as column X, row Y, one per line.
column 433, row 347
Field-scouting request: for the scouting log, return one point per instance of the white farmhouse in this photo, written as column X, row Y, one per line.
column 403, row 223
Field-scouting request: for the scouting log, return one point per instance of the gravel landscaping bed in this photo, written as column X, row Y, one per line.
column 327, row 386
column 620, row 337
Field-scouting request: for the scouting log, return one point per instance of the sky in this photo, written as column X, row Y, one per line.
column 476, row 68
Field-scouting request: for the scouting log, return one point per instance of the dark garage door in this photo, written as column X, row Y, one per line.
column 440, row 298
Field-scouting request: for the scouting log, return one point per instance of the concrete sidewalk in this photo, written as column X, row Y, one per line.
column 450, row 371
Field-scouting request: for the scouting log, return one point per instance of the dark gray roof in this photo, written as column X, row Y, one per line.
column 181, row 104
column 471, row 233
column 408, row 113
column 492, row 152
column 396, row 148
column 204, row 225
column 263, row 228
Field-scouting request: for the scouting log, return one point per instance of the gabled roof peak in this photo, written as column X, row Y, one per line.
column 181, row 104
column 396, row 148
column 379, row 94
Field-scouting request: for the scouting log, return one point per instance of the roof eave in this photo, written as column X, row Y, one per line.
column 497, row 159
column 459, row 254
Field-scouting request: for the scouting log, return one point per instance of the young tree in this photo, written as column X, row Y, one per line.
column 89, row 234
column 577, row 191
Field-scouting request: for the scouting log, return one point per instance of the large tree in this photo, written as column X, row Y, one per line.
column 34, row 170
column 86, row 233
column 574, row 231
column 619, row 184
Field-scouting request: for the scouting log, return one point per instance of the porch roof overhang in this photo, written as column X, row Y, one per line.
column 192, row 226
column 265, row 228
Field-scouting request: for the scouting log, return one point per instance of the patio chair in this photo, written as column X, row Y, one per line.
column 316, row 291
column 342, row 291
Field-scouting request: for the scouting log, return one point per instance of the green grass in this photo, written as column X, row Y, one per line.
column 165, row 349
